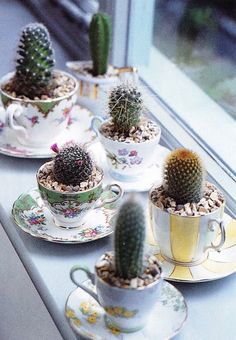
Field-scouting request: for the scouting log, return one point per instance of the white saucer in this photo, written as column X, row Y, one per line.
column 31, row 216
column 78, row 129
column 152, row 175
column 86, row 317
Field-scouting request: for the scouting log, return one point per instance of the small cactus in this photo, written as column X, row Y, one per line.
column 72, row 164
column 125, row 105
column 100, row 41
column 184, row 176
column 35, row 62
column 129, row 240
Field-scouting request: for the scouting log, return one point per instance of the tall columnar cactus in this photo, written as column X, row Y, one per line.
column 184, row 176
column 125, row 105
column 100, row 41
column 72, row 164
column 35, row 62
column 129, row 240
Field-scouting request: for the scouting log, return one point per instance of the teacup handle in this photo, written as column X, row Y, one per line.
column 96, row 122
column 211, row 226
column 14, row 111
column 110, row 187
column 90, row 275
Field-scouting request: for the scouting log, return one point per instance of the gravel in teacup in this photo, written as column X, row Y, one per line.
column 106, row 271
column 147, row 130
column 86, row 68
column 46, row 179
column 61, row 86
column 212, row 199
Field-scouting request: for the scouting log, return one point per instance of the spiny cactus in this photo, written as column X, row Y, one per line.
column 129, row 240
column 35, row 62
column 100, row 41
column 184, row 176
column 72, row 164
column 125, row 105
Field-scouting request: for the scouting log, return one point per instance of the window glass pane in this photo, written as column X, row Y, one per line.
column 200, row 37
column 190, row 63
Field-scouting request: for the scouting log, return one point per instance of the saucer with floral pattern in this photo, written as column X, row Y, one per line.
column 78, row 129
column 31, row 216
column 86, row 316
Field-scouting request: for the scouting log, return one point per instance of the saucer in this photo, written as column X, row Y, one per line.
column 216, row 265
column 86, row 316
column 151, row 175
column 78, row 129
column 31, row 216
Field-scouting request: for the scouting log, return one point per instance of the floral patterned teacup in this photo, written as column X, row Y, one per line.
column 126, row 309
column 37, row 122
column 126, row 161
column 69, row 208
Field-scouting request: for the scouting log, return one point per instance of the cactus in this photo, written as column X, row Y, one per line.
column 100, row 41
column 129, row 240
column 72, row 164
column 184, row 176
column 35, row 62
column 125, row 105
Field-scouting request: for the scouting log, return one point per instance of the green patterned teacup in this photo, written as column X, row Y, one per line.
column 69, row 208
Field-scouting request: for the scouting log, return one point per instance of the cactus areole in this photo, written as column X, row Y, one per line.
column 184, row 176
column 129, row 240
column 35, row 61
column 100, row 41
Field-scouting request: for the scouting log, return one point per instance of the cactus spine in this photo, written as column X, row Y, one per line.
column 100, row 41
column 72, row 164
column 129, row 240
column 35, row 62
column 184, row 176
column 125, row 105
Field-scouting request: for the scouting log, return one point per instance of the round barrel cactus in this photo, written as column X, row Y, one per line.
column 184, row 176
column 129, row 240
column 125, row 105
column 72, row 164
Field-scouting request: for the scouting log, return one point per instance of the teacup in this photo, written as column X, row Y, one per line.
column 186, row 240
column 69, row 208
column 126, row 161
column 36, row 123
column 126, row 309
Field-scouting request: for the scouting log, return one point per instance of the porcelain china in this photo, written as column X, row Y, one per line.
column 215, row 266
column 37, row 122
column 126, row 161
column 126, row 309
column 31, row 216
column 86, row 317
column 186, row 239
column 78, row 129
column 69, row 209
column 149, row 176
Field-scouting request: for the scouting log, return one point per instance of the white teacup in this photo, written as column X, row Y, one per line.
column 126, row 309
column 186, row 240
column 37, row 123
column 126, row 161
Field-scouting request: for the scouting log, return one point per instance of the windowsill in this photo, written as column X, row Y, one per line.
column 194, row 109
